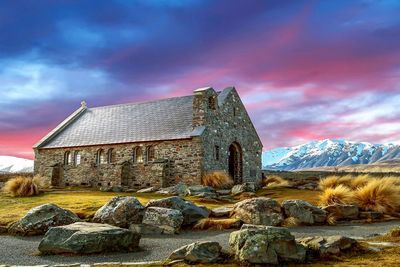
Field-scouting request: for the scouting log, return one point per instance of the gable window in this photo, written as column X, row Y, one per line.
column 68, row 158
column 138, row 155
column 110, row 158
column 216, row 152
column 211, row 102
column 150, row 153
column 101, row 157
column 78, row 158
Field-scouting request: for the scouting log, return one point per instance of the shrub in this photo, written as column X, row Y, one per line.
column 24, row 186
column 360, row 181
column 381, row 195
column 334, row 181
column 336, row 195
column 274, row 181
column 217, row 179
column 218, row 224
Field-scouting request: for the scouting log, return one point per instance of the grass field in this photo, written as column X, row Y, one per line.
column 85, row 203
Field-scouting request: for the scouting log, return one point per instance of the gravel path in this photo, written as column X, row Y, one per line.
column 22, row 250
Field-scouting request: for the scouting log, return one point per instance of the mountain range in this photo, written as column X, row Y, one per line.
column 328, row 152
column 9, row 164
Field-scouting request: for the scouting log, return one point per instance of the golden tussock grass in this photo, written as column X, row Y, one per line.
column 275, row 181
column 291, row 222
column 382, row 195
column 336, row 195
column 22, row 186
column 334, row 181
column 217, row 179
column 217, row 224
column 360, row 181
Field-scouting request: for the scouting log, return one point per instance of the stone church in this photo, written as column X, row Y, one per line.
column 156, row 143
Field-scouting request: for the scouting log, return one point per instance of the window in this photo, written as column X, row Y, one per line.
column 150, row 153
column 77, row 158
column 101, row 157
column 67, row 158
column 211, row 102
column 110, row 155
column 216, row 152
column 138, row 155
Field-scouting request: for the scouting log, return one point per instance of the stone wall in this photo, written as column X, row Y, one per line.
column 227, row 124
column 175, row 160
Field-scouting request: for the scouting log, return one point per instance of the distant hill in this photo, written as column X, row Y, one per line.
column 328, row 153
column 10, row 164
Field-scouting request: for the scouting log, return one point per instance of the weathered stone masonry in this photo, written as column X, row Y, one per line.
column 223, row 138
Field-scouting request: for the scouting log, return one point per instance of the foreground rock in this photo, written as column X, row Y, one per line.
column 179, row 189
column 86, row 238
column 261, row 210
column 266, row 245
column 304, row 212
column 221, row 212
column 320, row 246
column 245, row 187
column 120, row 211
column 343, row 212
column 198, row 252
column 39, row 219
column 190, row 211
column 169, row 220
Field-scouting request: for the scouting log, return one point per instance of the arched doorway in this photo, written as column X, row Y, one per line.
column 236, row 163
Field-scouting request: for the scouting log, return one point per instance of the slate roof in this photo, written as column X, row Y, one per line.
column 165, row 119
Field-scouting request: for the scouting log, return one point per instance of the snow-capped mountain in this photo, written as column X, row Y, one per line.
column 10, row 164
column 328, row 152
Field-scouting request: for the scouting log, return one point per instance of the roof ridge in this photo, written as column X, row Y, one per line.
column 138, row 103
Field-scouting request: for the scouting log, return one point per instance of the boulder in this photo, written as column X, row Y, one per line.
column 145, row 229
column 304, row 212
column 179, row 189
column 320, row 246
column 190, row 211
column 371, row 215
column 169, row 220
column 120, row 211
column 198, row 252
column 223, row 192
column 245, row 187
column 266, row 245
column 147, row 190
column 221, row 212
column 260, row 210
column 85, row 238
column 39, row 219
column 195, row 190
column 343, row 212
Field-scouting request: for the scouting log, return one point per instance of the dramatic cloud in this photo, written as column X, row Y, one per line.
column 305, row 69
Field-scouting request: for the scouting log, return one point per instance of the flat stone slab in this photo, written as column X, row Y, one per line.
column 87, row 238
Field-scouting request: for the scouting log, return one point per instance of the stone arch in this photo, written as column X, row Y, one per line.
column 235, row 162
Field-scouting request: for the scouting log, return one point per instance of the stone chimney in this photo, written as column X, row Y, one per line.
column 204, row 103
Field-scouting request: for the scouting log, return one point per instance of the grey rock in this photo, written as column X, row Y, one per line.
column 147, row 190
column 198, row 252
column 179, row 189
column 266, row 245
column 343, row 212
column 304, row 212
column 170, row 220
column 320, row 246
column 260, row 210
column 145, row 229
column 223, row 192
column 195, row 190
column 370, row 215
column 39, row 219
column 190, row 211
column 3, row 229
column 245, row 187
column 85, row 238
column 120, row 211
column 221, row 212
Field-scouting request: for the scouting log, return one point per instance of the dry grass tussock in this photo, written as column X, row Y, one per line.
column 21, row 186
column 334, row 181
column 217, row 179
column 381, row 195
column 336, row 195
column 360, row 181
column 275, row 181
column 217, row 224
column 290, row 222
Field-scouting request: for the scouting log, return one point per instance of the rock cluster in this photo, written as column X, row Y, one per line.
column 198, row 252
column 304, row 212
column 320, row 246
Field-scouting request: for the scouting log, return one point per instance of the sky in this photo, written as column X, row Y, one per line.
column 306, row 70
